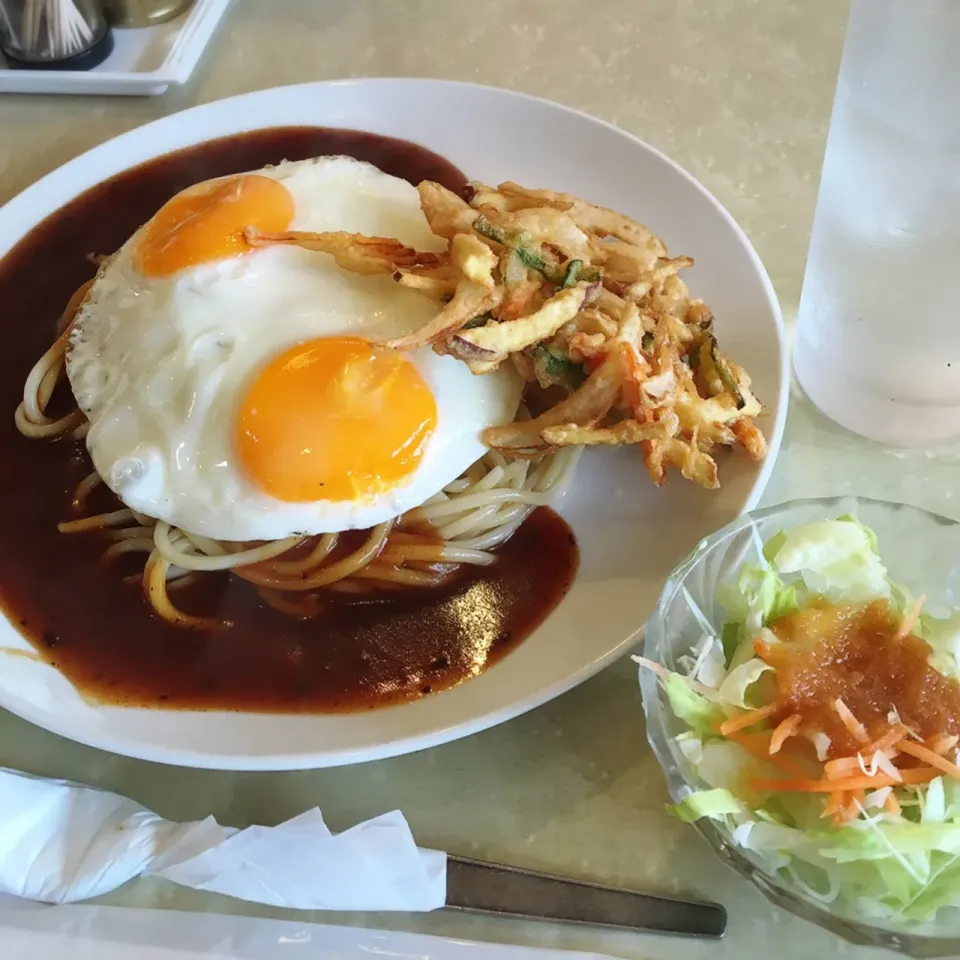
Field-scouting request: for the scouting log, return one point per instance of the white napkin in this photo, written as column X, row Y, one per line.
column 61, row 842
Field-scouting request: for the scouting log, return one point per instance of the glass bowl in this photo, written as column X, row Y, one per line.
column 921, row 551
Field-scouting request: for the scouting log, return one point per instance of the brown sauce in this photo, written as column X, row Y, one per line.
column 98, row 630
column 855, row 654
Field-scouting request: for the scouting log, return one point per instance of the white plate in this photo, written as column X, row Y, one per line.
column 144, row 61
column 630, row 534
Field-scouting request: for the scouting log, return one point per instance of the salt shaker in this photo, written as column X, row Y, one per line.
column 54, row 34
column 878, row 335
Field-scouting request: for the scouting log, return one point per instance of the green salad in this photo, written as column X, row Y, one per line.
column 821, row 724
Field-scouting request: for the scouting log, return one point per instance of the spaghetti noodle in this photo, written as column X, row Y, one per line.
column 424, row 547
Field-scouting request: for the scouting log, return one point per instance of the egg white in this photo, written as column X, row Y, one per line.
column 160, row 365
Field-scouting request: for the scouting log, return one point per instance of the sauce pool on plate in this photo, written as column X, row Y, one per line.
column 97, row 630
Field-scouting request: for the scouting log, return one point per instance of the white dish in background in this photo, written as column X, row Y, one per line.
column 144, row 61
column 631, row 535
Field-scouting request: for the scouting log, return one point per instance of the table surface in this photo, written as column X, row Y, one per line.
column 739, row 93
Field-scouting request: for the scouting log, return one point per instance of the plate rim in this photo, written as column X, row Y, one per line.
column 447, row 732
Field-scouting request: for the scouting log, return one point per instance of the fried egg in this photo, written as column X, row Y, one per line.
column 242, row 394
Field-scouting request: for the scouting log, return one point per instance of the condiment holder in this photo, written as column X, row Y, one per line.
column 122, row 59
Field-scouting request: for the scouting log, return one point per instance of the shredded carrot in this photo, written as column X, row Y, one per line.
column 848, row 809
column 856, row 728
column 917, row 775
column 786, row 729
column 928, row 756
column 842, row 767
column 761, row 648
column 635, row 374
column 834, row 804
column 747, row 719
column 890, row 739
column 941, row 743
column 892, row 804
column 857, row 797
column 910, row 619
column 852, row 783
column 850, row 766
column 591, row 363
column 848, row 813
column 759, row 747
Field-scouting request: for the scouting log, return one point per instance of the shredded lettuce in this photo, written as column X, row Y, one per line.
column 730, row 639
column 709, row 664
column 943, row 635
column 757, row 596
column 725, row 765
column 693, row 709
column 754, row 598
column 836, row 559
column 735, row 688
column 773, row 545
column 870, row 535
column 705, row 803
column 900, row 870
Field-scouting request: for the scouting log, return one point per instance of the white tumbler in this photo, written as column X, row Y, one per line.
column 878, row 330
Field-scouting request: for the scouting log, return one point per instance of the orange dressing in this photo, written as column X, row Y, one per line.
column 854, row 653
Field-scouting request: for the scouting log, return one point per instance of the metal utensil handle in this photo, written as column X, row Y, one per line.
column 495, row 888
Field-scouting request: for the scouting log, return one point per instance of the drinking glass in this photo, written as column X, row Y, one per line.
column 878, row 330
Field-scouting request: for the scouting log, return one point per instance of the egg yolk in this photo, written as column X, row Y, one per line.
column 205, row 222
column 334, row 419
